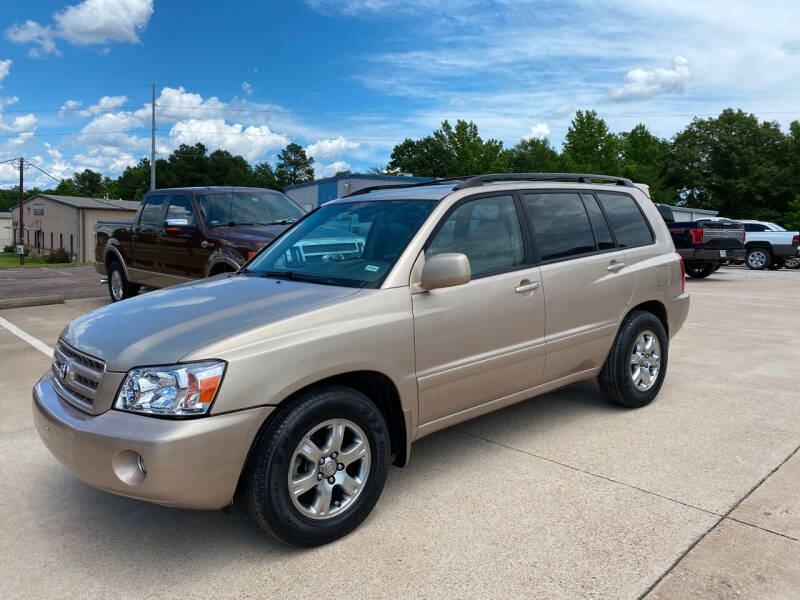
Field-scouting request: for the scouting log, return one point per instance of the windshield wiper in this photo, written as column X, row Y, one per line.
column 295, row 276
column 280, row 222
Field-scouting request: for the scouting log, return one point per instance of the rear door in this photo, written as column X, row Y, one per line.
column 483, row 340
column 587, row 283
column 144, row 238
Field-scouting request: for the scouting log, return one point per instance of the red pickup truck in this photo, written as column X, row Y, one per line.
column 182, row 234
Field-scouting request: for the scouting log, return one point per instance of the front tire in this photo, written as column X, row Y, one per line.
column 700, row 270
column 119, row 288
column 758, row 258
column 792, row 263
column 319, row 467
column 637, row 363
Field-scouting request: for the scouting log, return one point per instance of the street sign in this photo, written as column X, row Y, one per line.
column 20, row 249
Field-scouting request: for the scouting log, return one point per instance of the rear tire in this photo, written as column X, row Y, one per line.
column 282, row 456
column 119, row 288
column 700, row 270
column 758, row 258
column 792, row 263
column 619, row 379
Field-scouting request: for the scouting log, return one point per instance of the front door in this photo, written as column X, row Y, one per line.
column 182, row 252
column 483, row 340
column 144, row 259
column 587, row 283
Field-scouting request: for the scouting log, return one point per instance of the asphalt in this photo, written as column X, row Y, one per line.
column 78, row 281
column 562, row 496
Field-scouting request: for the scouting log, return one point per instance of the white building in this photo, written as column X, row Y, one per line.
column 314, row 193
column 5, row 229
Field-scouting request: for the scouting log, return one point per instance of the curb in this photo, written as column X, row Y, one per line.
column 36, row 301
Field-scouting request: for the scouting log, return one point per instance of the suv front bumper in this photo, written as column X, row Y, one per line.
column 190, row 463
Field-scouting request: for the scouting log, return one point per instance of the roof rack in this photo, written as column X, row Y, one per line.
column 374, row 188
column 479, row 180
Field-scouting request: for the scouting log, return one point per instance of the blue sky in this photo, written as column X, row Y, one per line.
column 348, row 79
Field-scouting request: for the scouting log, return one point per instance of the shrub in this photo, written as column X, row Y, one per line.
column 10, row 249
column 57, row 256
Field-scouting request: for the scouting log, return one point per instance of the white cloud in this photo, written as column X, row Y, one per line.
column 68, row 107
column 251, row 142
column 178, row 104
column 90, row 22
column 331, row 169
column 331, row 148
column 247, row 88
column 5, row 69
column 105, row 103
column 539, row 131
column 646, row 83
column 25, row 123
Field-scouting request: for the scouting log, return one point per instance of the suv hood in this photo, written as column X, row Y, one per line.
column 163, row 326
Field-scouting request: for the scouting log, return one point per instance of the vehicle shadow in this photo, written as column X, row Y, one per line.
column 121, row 529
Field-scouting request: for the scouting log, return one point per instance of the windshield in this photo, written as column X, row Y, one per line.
column 354, row 244
column 247, row 207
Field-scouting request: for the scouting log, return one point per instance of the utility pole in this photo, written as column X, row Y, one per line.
column 153, row 143
column 21, row 226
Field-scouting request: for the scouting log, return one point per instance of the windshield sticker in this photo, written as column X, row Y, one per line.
column 372, row 268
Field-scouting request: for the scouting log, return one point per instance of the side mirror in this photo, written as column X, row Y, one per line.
column 178, row 226
column 446, row 270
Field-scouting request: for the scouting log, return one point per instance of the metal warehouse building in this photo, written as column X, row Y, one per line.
column 314, row 193
column 52, row 222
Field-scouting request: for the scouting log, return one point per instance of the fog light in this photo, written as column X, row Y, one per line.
column 129, row 467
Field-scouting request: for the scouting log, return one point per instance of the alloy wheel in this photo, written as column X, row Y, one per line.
column 645, row 360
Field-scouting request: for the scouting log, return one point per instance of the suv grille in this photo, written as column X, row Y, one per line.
column 76, row 375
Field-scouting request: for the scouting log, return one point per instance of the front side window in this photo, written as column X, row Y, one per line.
column 627, row 221
column 180, row 207
column 560, row 225
column 352, row 244
column 152, row 210
column 247, row 207
column 487, row 230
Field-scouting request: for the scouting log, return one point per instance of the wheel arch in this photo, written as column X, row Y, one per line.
column 113, row 254
column 221, row 265
column 654, row 307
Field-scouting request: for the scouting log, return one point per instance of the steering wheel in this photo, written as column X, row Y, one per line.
column 333, row 257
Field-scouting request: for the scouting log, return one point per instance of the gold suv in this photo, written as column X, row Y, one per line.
column 298, row 379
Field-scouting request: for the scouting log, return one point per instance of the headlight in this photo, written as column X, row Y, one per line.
column 171, row 390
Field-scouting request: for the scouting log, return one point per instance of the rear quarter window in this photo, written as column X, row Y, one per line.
column 626, row 219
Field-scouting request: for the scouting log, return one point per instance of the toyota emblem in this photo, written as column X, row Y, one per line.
column 63, row 371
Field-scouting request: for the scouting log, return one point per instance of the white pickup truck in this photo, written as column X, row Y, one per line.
column 770, row 246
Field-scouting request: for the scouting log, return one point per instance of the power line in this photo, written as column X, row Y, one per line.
column 30, row 164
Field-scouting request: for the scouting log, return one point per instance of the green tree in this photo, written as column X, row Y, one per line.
column 642, row 158
column 264, row 176
column 186, row 166
column 426, row 157
column 134, row 182
column 532, row 155
column 294, row 166
column 226, row 169
column 589, row 146
column 791, row 219
column 471, row 155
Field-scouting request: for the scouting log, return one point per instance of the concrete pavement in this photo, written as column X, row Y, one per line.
column 560, row 496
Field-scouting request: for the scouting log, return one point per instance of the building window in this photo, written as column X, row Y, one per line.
column 60, row 240
column 28, row 237
column 51, row 240
column 70, row 245
column 38, row 209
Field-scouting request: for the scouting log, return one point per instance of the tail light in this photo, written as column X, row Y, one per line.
column 683, row 272
column 696, row 236
column 796, row 240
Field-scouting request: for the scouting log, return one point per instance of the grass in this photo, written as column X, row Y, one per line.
column 9, row 260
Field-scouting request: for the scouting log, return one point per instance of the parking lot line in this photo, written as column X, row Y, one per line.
column 38, row 344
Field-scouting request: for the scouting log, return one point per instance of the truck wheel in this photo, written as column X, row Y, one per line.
column 758, row 258
column 776, row 264
column 792, row 263
column 119, row 287
column 700, row 270
column 637, row 363
column 317, row 470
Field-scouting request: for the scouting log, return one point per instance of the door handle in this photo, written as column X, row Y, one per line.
column 527, row 286
column 615, row 266
column 206, row 244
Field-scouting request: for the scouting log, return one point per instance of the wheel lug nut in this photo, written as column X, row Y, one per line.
column 337, row 503
column 322, row 461
column 339, row 467
column 319, row 476
column 334, row 454
column 331, row 480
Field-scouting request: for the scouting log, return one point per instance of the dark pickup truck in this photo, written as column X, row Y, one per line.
column 182, row 234
column 704, row 244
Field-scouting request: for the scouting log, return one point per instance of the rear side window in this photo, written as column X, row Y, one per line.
column 487, row 230
column 152, row 211
column 627, row 221
column 754, row 227
column 560, row 225
column 602, row 234
column 180, row 207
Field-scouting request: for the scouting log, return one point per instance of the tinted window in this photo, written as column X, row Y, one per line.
column 560, row 225
column 630, row 227
column 247, row 207
column 181, row 208
column 602, row 234
column 754, row 227
column 487, row 230
column 151, row 213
